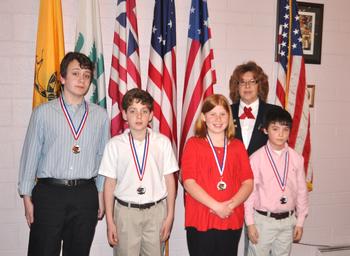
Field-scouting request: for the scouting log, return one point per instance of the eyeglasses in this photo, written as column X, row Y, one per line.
column 247, row 83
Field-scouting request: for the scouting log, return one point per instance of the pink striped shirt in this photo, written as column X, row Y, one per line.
column 267, row 192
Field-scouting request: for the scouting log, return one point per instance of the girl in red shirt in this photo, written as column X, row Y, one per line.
column 217, row 178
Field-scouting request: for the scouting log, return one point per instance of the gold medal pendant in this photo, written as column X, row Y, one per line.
column 284, row 200
column 75, row 132
column 141, row 190
column 76, row 149
column 140, row 167
column 221, row 185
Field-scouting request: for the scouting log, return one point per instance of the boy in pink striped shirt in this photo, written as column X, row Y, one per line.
column 276, row 210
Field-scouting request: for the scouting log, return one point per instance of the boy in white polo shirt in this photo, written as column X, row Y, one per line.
column 276, row 209
column 139, row 190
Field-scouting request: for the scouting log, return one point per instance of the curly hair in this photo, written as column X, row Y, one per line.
column 200, row 129
column 259, row 75
column 139, row 96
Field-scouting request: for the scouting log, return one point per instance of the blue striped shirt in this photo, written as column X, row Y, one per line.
column 47, row 150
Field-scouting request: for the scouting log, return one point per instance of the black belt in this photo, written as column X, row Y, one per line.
column 277, row 216
column 139, row 206
column 68, row 183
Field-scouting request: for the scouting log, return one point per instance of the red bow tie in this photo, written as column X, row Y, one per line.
column 247, row 113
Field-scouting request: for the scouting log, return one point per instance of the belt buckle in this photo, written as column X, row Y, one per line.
column 143, row 207
column 72, row 183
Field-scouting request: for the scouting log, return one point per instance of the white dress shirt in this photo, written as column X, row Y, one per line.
column 247, row 124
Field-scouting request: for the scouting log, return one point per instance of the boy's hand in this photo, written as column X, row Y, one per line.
column 253, row 234
column 112, row 235
column 298, row 232
column 166, row 229
column 28, row 209
column 101, row 206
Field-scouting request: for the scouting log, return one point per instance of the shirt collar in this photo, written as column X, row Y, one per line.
column 71, row 105
column 127, row 130
column 283, row 151
column 254, row 106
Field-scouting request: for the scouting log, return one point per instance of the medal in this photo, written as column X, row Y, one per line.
column 284, row 200
column 282, row 181
column 141, row 190
column 221, row 185
column 140, row 168
column 221, row 167
column 76, row 132
column 76, row 149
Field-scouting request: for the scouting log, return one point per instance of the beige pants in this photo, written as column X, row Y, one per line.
column 274, row 235
column 139, row 230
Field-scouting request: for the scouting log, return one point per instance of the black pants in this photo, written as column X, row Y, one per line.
column 61, row 213
column 213, row 242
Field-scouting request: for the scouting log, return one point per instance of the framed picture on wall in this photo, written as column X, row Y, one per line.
column 311, row 22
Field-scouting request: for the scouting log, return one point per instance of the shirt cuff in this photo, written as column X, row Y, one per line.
column 300, row 221
column 249, row 219
column 25, row 188
column 100, row 180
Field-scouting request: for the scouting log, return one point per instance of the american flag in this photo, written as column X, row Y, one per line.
column 162, row 69
column 291, row 83
column 200, row 74
column 125, row 70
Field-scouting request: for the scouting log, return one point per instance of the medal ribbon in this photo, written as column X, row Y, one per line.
column 140, row 169
column 222, row 166
column 281, row 182
column 76, row 132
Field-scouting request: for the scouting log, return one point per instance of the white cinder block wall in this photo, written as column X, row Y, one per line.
column 242, row 30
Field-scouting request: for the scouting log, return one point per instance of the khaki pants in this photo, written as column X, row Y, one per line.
column 139, row 230
column 274, row 235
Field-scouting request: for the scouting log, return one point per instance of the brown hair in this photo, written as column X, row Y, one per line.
column 200, row 129
column 138, row 95
column 259, row 75
column 84, row 63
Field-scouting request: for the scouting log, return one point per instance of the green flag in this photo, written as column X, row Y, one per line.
column 89, row 41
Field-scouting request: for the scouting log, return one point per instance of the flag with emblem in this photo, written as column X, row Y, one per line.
column 49, row 52
column 291, row 83
column 162, row 69
column 200, row 75
column 125, row 70
column 89, row 41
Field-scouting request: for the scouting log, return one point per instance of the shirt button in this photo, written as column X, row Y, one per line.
column 71, row 168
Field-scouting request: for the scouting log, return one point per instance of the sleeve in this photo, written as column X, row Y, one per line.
column 170, row 162
column 249, row 203
column 104, row 139
column 31, row 153
column 302, row 205
column 109, row 162
column 188, row 161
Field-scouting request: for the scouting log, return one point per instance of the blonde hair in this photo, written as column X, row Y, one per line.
column 200, row 129
column 259, row 75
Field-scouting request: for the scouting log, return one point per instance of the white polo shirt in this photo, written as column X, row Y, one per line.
column 118, row 162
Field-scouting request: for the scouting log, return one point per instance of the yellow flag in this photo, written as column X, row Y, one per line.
column 49, row 52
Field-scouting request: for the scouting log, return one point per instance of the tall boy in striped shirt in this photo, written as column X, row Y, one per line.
column 60, row 158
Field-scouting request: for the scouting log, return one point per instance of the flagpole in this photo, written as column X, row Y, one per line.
column 289, row 53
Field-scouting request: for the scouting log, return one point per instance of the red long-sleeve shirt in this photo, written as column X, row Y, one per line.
column 198, row 163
